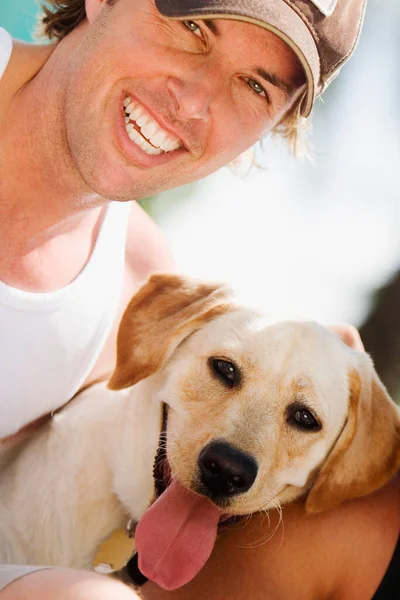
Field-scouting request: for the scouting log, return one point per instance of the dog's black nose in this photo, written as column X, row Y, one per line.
column 226, row 471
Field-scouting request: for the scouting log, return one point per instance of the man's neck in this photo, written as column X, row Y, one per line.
column 38, row 179
column 42, row 197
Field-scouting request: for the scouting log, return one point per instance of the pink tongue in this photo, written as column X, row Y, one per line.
column 175, row 536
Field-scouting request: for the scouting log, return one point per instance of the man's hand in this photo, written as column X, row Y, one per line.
column 348, row 334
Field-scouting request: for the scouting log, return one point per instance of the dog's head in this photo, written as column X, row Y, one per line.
column 260, row 412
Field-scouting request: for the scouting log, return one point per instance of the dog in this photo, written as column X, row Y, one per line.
column 214, row 408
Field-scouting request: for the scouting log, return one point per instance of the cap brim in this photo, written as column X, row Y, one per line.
column 275, row 16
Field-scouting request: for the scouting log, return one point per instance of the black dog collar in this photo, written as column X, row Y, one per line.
column 132, row 567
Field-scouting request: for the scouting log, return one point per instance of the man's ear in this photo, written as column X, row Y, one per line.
column 367, row 453
column 93, row 8
column 166, row 310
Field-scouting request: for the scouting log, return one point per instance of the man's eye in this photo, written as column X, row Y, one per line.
column 256, row 87
column 192, row 26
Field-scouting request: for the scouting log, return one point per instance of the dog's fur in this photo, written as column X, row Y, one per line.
column 89, row 470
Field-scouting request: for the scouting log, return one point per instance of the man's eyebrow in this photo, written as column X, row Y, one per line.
column 212, row 26
column 284, row 86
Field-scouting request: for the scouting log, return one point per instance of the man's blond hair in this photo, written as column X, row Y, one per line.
column 60, row 17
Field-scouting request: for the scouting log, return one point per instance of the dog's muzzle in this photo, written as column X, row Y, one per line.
column 225, row 471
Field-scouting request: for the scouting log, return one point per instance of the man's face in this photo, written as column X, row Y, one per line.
column 206, row 91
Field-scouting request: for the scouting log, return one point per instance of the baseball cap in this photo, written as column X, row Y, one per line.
column 322, row 33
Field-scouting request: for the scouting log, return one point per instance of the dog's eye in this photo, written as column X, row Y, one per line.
column 226, row 371
column 302, row 417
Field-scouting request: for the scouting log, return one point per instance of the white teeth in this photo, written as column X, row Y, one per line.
column 149, row 129
column 166, row 146
column 142, row 120
column 136, row 137
column 169, row 145
column 130, row 107
column 152, row 150
column 136, row 112
column 159, row 138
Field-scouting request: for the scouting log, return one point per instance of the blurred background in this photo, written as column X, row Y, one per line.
column 320, row 238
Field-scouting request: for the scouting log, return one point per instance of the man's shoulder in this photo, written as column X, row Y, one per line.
column 147, row 249
column 20, row 62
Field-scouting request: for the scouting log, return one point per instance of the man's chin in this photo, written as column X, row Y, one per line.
column 112, row 188
column 111, row 184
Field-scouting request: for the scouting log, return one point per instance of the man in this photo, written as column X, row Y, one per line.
column 135, row 97
column 211, row 90
column 128, row 103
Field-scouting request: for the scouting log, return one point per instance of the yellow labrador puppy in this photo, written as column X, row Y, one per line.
column 257, row 413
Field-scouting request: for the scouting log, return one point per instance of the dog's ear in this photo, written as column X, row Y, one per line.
column 367, row 453
column 165, row 311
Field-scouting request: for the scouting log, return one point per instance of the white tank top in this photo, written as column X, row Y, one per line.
column 5, row 49
column 49, row 342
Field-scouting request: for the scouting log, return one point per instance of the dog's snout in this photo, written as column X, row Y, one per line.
column 225, row 470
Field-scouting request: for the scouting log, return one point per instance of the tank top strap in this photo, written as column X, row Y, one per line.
column 5, row 49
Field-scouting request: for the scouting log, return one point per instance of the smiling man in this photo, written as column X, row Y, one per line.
column 131, row 97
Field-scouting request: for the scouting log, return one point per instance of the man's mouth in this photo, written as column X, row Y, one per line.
column 145, row 131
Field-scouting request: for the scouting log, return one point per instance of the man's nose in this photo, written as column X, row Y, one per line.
column 193, row 94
